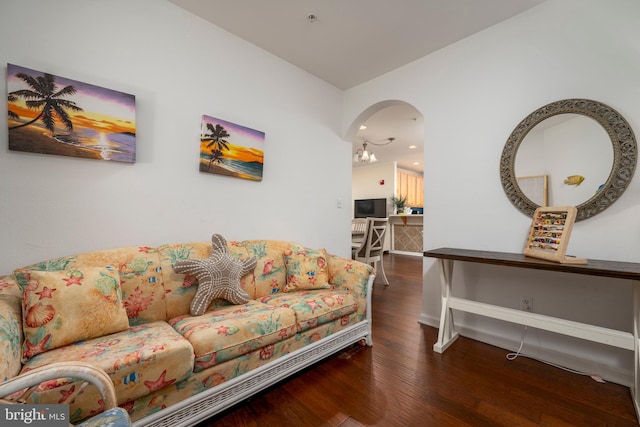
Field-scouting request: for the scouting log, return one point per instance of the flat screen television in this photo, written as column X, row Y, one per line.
column 376, row 208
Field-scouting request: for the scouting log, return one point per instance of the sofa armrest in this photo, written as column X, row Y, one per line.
column 353, row 276
column 10, row 328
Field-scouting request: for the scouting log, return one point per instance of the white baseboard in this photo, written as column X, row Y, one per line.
column 420, row 254
column 544, row 354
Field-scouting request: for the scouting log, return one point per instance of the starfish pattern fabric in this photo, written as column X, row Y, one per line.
column 218, row 276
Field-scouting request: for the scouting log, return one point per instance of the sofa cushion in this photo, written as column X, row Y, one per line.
column 306, row 269
column 63, row 307
column 140, row 277
column 218, row 276
column 315, row 307
column 224, row 333
column 139, row 361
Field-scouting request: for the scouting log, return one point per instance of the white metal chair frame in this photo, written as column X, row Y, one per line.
column 29, row 381
column 371, row 250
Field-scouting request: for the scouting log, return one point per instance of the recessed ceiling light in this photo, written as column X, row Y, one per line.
column 412, row 146
column 362, row 127
column 416, row 163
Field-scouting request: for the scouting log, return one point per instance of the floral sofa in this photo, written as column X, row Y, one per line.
column 128, row 311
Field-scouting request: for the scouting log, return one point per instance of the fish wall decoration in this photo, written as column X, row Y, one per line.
column 574, row 180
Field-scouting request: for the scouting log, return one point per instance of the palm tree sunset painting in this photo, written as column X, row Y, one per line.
column 50, row 114
column 230, row 149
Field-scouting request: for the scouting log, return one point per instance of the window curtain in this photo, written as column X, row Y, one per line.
column 410, row 185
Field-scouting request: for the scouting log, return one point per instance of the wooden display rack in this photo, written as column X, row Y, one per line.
column 549, row 234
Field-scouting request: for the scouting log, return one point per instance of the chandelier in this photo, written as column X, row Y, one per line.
column 362, row 155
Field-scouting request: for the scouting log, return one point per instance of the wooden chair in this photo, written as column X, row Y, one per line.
column 358, row 227
column 371, row 249
column 29, row 381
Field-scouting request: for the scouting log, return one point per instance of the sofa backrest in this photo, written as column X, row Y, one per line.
column 152, row 290
column 270, row 274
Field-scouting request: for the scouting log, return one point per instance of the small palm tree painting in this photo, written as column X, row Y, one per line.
column 50, row 114
column 230, row 149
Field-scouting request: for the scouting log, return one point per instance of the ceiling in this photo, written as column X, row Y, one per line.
column 349, row 42
column 406, row 125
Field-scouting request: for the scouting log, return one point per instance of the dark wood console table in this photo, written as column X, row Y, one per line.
column 447, row 333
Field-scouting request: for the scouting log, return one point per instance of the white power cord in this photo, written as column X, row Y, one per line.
column 514, row 355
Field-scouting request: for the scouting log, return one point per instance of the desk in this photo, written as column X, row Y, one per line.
column 447, row 333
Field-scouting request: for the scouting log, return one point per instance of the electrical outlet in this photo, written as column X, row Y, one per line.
column 526, row 303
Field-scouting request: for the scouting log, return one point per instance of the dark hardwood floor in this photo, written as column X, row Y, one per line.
column 401, row 381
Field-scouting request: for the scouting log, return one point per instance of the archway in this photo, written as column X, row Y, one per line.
column 402, row 122
column 363, row 117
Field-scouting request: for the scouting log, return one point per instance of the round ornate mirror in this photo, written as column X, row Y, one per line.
column 587, row 137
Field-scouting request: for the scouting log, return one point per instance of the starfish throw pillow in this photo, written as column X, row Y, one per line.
column 218, row 276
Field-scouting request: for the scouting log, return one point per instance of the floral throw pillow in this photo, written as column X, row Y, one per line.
column 306, row 269
column 63, row 307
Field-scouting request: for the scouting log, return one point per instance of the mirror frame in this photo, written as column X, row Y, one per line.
column 625, row 153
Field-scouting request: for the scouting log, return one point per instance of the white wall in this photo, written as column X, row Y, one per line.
column 178, row 67
column 366, row 183
column 472, row 94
